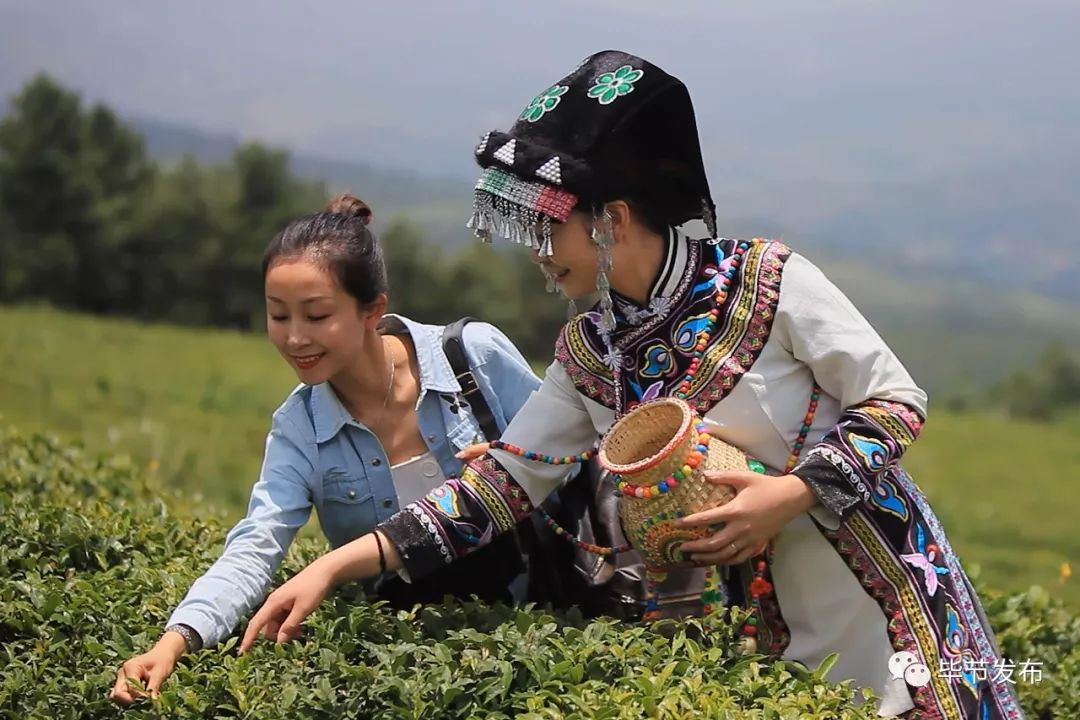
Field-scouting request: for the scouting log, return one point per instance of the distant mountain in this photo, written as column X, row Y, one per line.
column 955, row 337
column 1009, row 227
column 959, row 318
column 437, row 205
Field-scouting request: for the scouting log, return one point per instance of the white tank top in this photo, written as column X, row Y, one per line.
column 416, row 477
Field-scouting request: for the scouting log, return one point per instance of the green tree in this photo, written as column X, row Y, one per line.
column 1049, row 386
column 260, row 196
column 88, row 221
column 502, row 285
column 1060, row 369
column 11, row 267
column 171, row 247
column 418, row 288
column 43, row 189
column 69, row 184
column 120, row 176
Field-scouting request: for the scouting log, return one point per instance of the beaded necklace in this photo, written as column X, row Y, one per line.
column 759, row 586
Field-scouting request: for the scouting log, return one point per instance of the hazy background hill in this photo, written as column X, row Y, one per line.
column 435, row 203
column 958, row 326
column 917, row 139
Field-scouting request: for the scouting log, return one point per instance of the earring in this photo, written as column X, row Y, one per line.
column 603, row 234
column 549, row 282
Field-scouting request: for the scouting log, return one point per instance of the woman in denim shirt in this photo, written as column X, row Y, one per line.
column 375, row 424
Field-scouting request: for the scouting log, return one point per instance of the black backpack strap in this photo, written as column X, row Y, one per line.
column 454, row 347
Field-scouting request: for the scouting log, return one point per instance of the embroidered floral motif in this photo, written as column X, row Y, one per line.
column 612, row 85
column 613, row 359
column 659, row 305
column 544, row 103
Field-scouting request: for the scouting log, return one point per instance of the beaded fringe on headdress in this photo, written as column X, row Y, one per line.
column 518, row 210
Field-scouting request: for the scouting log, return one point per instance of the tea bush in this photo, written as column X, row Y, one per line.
column 92, row 559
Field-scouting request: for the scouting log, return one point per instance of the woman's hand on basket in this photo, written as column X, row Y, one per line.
column 762, row 506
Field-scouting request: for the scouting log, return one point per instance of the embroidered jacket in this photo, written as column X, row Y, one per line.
column 868, row 572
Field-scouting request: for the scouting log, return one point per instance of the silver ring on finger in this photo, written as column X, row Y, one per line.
column 734, row 548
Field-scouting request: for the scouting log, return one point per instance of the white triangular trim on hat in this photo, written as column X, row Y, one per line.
column 505, row 154
column 551, row 171
column 483, row 143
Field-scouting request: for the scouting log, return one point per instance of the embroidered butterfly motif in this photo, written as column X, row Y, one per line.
column 956, row 646
column 650, row 393
column 712, row 272
column 924, row 560
column 722, row 272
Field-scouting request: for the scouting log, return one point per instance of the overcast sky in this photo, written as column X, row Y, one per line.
column 797, row 89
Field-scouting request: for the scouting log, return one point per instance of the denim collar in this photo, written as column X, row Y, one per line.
column 329, row 414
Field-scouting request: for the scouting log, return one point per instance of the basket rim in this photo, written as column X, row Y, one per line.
column 685, row 427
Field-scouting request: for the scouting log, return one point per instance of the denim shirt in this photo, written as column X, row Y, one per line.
column 318, row 456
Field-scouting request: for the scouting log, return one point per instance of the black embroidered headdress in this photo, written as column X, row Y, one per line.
column 617, row 127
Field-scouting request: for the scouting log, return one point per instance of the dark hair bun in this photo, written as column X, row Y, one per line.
column 350, row 205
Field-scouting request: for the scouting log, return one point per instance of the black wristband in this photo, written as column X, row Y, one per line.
column 382, row 555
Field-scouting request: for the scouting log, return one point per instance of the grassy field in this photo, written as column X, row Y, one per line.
column 194, row 407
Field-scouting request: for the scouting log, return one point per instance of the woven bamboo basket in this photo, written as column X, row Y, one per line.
column 647, row 445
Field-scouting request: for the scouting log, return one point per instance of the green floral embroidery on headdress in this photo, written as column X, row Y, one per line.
column 612, row 85
column 543, row 103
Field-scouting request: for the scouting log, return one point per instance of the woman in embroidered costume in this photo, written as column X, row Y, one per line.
column 596, row 175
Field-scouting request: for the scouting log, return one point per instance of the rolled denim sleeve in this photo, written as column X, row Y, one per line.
column 503, row 374
column 280, row 505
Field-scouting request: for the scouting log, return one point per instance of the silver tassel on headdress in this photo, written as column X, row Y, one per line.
column 481, row 222
column 493, row 215
column 544, row 244
column 604, row 236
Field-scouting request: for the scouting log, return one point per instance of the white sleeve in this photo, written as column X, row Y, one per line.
column 820, row 327
column 553, row 421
